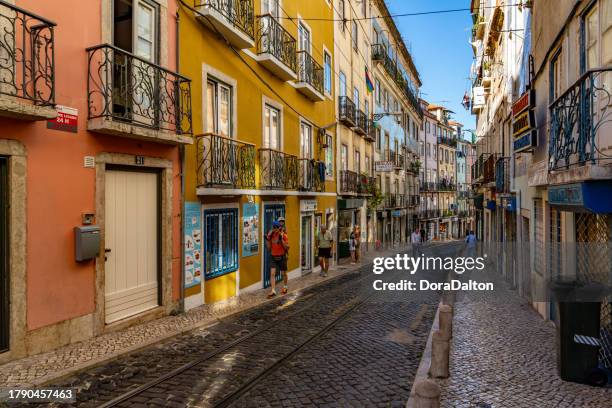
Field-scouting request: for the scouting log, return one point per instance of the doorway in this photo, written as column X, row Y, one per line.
column 132, row 245
column 4, row 261
column 306, row 241
column 271, row 213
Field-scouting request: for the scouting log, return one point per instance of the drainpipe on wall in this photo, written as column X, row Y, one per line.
column 182, row 174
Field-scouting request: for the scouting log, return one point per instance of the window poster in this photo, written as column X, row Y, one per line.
column 193, row 244
column 250, row 229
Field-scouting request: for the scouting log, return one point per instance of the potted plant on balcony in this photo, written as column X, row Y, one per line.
column 415, row 166
column 376, row 197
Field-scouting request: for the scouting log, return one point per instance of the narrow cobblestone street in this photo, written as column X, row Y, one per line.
column 336, row 344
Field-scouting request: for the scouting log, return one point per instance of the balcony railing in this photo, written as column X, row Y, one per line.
column 278, row 170
column 488, row 172
column 502, row 175
column 394, row 201
column 310, row 71
column 365, row 184
column 130, row 89
column 349, row 181
column 27, row 56
column 311, row 176
column 478, row 168
column 439, row 186
column 239, row 13
column 225, row 162
column 361, row 125
column 273, row 39
column 399, row 160
column 346, row 109
column 576, row 117
column 449, row 141
column 379, row 53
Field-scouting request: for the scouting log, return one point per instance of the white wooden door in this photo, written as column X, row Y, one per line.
column 131, row 241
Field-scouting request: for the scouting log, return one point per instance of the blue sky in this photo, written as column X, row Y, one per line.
column 439, row 44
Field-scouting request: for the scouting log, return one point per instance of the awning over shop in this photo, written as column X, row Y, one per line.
column 588, row 196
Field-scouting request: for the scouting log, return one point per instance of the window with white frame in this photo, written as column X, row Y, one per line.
column 342, row 83
column 305, row 140
column 327, row 66
column 344, row 157
column 272, row 129
column 356, row 97
column 357, row 162
column 218, row 108
column 329, row 158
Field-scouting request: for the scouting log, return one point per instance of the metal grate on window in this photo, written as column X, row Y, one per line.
column 220, row 242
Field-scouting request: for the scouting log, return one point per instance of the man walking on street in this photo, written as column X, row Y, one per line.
column 326, row 244
column 415, row 240
column 278, row 244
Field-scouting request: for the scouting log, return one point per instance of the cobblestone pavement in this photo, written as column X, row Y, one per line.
column 46, row 367
column 367, row 360
column 503, row 355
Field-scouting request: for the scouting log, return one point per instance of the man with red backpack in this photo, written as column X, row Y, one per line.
column 278, row 244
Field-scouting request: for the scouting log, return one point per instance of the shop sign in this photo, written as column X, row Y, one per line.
column 384, row 166
column 478, row 97
column 569, row 194
column 524, row 123
column 526, row 141
column 192, row 221
column 308, row 205
column 525, row 102
column 67, row 119
column 250, row 229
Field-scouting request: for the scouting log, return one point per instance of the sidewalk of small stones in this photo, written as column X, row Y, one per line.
column 503, row 355
column 46, row 367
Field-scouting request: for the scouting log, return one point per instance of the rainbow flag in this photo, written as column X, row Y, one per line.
column 368, row 81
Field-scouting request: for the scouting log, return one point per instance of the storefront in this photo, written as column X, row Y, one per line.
column 349, row 216
column 308, row 219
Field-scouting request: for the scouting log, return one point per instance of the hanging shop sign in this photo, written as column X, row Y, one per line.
column 192, row 221
column 478, row 97
column 524, row 123
column 384, row 166
column 250, row 229
column 67, row 119
column 592, row 196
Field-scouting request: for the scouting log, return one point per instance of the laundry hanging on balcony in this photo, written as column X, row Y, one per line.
column 321, row 170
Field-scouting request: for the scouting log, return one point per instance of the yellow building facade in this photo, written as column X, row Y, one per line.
column 264, row 112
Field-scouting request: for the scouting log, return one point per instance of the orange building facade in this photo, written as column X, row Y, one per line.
column 94, row 119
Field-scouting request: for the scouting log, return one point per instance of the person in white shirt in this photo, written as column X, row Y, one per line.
column 415, row 240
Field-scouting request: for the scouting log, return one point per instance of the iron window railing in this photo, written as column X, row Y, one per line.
column 449, row 141
column 346, row 109
column 488, row 171
column 220, row 242
column 278, row 170
column 399, row 160
column 394, row 201
column 361, row 125
column 237, row 12
column 575, row 118
column 311, row 175
column 225, row 162
column 502, row 175
column 365, row 184
column 127, row 88
column 27, row 56
column 310, row 71
column 349, row 181
column 275, row 40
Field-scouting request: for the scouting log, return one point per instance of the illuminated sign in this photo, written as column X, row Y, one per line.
column 523, row 123
column 527, row 141
column 478, row 97
column 569, row 194
column 526, row 101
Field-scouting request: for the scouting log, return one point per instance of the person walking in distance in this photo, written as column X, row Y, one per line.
column 357, row 243
column 415, row 240
column 326, row 244
column 352, row 245
column 278, row 244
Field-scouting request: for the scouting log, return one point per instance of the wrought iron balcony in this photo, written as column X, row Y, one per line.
column 132, row 97
column 276, row 48
column 27, row 64
column 478, row 168
column 349, row 182
column 444, row 185
column 488, row 172
column 361, row 125
column 278, row 170
column 399, row 160
column 577, row 117
column 370, row 135
column 449, row 141
column 365, row 184
column 225, row 162
column 310, row 77
column 346, row 109
column 394, row 201
column 311, row 176
column 412, row 200
column 502, row 175
column 235, row 19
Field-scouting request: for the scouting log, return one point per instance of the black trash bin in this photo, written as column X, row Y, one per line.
column 578, row 311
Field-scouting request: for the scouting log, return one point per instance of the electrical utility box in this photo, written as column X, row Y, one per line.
column 86, row 242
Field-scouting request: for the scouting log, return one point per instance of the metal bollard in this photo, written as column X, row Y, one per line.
column 446, row 320
column 426, row 394
column 440, row 350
